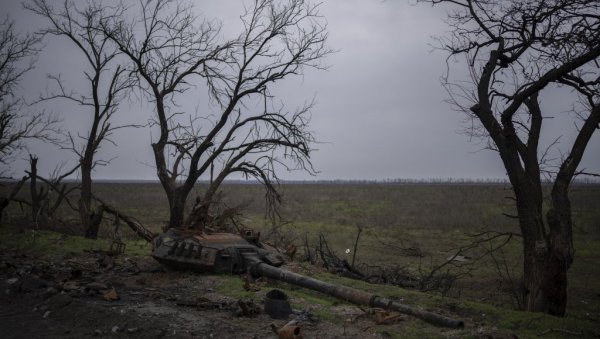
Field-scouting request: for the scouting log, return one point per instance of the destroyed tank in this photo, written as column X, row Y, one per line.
column 240, row 253
column 211, row 253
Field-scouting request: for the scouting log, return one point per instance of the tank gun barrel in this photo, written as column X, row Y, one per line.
column 259, row 268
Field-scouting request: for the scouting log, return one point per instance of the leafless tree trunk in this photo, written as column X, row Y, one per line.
column 5, row 201
column 246, row 133
column 514, row 52
column 107, row 86
column 33, row 190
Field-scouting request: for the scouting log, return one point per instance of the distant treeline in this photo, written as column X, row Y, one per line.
column 398, row 181
column 428, row 181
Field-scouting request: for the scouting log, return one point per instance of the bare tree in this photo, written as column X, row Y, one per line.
column 107, row 83
column 514, row 51
column 16, row 126
column 245, row 132
column 48, row 197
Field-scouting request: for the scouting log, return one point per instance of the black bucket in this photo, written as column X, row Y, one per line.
column 277, row 305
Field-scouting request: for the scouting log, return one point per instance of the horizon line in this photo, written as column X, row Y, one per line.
column 496, row 181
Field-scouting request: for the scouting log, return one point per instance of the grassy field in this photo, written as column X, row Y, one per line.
column 407, row 227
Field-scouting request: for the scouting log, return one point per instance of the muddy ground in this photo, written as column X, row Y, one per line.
column 94, row 294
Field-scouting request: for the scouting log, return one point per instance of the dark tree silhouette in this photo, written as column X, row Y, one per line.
column 174, row 53
column 515, row 50
column 16, row 125
column 46, row 199
column 107, row 82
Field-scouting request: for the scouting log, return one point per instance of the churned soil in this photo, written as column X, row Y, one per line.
column 93, row 294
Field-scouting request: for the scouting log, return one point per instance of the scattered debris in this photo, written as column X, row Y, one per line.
column 253, row 285
column 247, row 308
column 58, row 301
column 12, row 281
column 117, row 247
column 202, row 303
column 305, row 318
column 106, row 261
column 96, row 286
column 75, row 294
column 70, row 285
column 288, row 331
column 32, row 283
column 383, row 317
column 110, row 295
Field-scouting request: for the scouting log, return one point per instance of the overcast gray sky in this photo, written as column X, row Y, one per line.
column 380, row 107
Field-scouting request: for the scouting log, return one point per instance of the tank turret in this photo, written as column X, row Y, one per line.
column 211, row 253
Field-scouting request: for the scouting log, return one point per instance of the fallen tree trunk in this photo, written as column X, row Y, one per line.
column 135, row 225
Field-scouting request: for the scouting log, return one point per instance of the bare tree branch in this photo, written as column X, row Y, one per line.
column 17, row 125
column 246, row 133
column 108, row 82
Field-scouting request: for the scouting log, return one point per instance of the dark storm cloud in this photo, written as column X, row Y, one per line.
column 380, row 107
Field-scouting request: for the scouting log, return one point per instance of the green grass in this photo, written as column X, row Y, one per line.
column 47, row 242
column 478, row 317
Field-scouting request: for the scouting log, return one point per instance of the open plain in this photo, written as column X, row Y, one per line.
column 408, row 231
